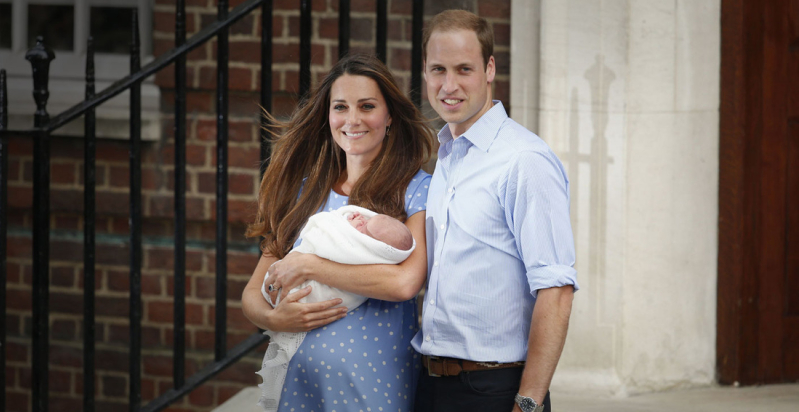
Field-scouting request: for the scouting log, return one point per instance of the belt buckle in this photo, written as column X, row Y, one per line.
column 429, row 370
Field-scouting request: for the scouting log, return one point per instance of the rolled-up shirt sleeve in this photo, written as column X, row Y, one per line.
column 536, row 202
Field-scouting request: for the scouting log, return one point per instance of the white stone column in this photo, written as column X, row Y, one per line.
column 628, row 99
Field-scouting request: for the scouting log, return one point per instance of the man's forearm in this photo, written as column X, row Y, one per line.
column 548, row 329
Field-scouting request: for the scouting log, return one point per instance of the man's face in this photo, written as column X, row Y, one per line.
column 458, row 81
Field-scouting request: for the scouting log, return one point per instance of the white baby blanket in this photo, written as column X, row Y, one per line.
column 328, row 235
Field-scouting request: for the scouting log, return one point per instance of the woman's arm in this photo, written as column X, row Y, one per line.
column 289, row 315
column 387, row 282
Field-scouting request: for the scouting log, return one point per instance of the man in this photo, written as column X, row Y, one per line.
column 500, row 247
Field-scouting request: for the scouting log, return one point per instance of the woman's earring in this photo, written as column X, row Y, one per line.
column 388, row 128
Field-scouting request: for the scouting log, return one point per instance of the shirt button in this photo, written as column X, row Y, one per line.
column 427, row 338
column 442, row 227
column 435, row 264
column 451, row 190
column 432, row 301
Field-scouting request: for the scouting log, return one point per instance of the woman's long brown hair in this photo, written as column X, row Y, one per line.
column 305, row 151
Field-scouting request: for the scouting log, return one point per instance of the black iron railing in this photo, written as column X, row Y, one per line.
column 40, row 58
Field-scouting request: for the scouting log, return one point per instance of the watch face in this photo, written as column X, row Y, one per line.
column 527, row 405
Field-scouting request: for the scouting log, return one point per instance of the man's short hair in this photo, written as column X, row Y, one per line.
column 451, row 20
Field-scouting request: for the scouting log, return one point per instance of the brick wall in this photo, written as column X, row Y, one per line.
column 112, row 284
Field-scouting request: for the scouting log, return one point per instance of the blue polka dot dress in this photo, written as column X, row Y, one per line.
column 363, row 362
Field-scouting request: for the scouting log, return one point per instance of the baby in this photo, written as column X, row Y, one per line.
column 351, row 235
column 383, row 228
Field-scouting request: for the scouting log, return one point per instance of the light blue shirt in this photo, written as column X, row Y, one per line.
column 498, row 230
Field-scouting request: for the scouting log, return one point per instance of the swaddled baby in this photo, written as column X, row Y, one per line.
column 350, row 235
column 327, row 226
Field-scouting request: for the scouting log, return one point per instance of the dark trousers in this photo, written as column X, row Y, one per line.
column 479, row 391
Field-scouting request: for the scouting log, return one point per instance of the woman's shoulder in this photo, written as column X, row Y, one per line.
column 416, row 193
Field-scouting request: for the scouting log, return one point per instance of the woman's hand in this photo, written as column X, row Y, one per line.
column 292, row 316
column 288, row 273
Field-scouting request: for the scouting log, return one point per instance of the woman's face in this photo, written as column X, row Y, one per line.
column 358, row 117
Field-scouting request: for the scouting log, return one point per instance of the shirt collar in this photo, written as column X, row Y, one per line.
column 483, row 131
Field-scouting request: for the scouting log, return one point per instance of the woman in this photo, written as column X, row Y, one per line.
column 356, row 140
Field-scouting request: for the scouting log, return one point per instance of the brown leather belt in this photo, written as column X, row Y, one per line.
column 441, row 366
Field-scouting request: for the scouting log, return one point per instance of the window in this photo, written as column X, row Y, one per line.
column 65, row 25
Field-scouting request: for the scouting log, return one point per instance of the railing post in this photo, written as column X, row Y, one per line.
column 266, row 79
column 305, row 47
column 40, row 58
column 135, row 224
column 381, row 36
column 89, row 180
column 220, row 328
column 3, row 230
column 344, row 28
column 179, row 304
column 416, row 52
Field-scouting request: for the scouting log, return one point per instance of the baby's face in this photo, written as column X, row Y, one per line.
column 359, row 222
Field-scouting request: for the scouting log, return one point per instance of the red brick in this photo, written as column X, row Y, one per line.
column 118, row 281
column 162, row 259
column 241, row 184
column 240, row 78
column 155, row 365
column 66, row 356
column 147, row 389
column 70, row 222
column 163, row 312
column 285, row 53
column 112, row 151
column 494, row 9
column 237, row 263
column 63, row 330
column 113, row 306
column 328, row 28
column 243, row 157
column 235, row 319
column 112, row 360
column 243, row 104
column 115, row 386
column 502, row 92
column 111, row 203
column 401, row 7
column 66, row 302
column 17, row 352
column 20, row 197
column 62, row 174
column 164, row 206
column 12, row 325
column 17, row 402
column 152, row 179
column 70, row 200
column 240, row 211
column 245, row 51
column 111, row 254
column 242, row 372
column 57, row 403
column 202, row 396
column 203, row 339
column 245, row 26
column 502, row 60
column 396, row 31
column 109, row 405
column 18, row 299
column 362, row 29
column 400, row 59
column 152, row 285
column 501, row 34
column 223, row 393
column 241, row 131
column 59, row 382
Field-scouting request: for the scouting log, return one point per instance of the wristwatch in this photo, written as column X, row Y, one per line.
column 527, row 404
